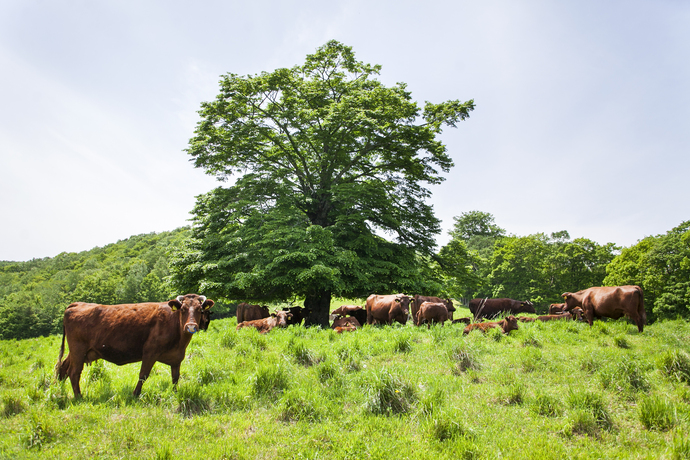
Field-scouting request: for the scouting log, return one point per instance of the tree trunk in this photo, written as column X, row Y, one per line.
column 320, row 305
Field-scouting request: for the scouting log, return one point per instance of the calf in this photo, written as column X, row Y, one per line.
column 264, row 325
column 508, row 324
column 346, row 322
column 431, row 312
column 352, row 310
column 556, row 308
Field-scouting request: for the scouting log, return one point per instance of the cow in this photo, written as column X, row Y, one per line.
column 343, row 321
column 567, row 316
column 465, row 320
column 298, row 314
column 265, row 325
column 526, row 319
column 420, row 299
column 508, row 324
column 577, row 313
column 122, row 334
column 341, row 329
column 431, row 312
column 205, row 320
column 388, row 308
column 246, row 312
column 556, row 308
column 352, row 310
column 609, row 302
column 490, row 308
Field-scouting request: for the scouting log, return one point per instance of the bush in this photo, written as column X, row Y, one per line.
column 657, row 413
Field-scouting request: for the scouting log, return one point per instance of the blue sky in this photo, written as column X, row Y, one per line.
column 582, row 119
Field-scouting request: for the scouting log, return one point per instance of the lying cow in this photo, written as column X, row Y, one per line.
column 387, row 308
column 508, row 324
column 352, row 310
column 346, row 322
column 264, row 325
column 418, row 300
column 431, row 312
column 341, row 329
column 566, row 316
column 465, row 320
column 298, row 315
column 556, row 308
column 526, row 319
column 246, row 312
column 123, row 334
column 490, row 308
column 610, row 302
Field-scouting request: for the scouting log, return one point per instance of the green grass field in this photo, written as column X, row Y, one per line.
column 547, row 391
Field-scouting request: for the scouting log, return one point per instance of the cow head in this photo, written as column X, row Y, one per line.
column 527, row 307
column 510, row 324
column 571, row 301
column 282, row 318
column 404, row 302
column 191, row 307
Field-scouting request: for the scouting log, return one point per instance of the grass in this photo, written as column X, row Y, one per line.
column 547, row 391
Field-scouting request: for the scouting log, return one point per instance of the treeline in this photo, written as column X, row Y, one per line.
column 481, row 260
column 34, row 294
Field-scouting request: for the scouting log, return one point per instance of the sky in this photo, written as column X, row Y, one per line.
column 582, row 118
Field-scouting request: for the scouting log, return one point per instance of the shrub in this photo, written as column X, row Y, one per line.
column 388, row 394
column 676, row 365
column 657, row 413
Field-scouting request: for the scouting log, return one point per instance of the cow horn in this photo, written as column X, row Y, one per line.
column 202, row 299
column 180, row 298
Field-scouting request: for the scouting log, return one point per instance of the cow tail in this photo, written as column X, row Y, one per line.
column 62, row 352
column 640, row 308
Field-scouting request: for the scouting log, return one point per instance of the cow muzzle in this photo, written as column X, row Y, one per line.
column 191, row 328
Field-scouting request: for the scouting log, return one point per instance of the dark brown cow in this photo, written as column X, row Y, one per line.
column 508, row 324
column 556, row 308
column 609, row 302
column 265, row 325
column 123, row 334
column 246, row 312
column 388, row 308
column 490, row 308
column 345, row 322
column 431, row 312
column 298, row 314
column 205, row 320
column 352, row 310
column 420, row 299
column 566, row 316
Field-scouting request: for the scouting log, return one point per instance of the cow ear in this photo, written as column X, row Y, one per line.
column 208, row 304
column 174, row 304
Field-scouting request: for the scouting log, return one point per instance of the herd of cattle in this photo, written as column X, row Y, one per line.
column 160, row 332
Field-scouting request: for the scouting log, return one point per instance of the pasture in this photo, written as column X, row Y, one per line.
column 547, row 391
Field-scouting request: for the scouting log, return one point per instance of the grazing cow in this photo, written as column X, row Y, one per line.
column 352, row 310
column 609, row 302
column 556, row 308
column 566, row 316
column 298, row 314
column 465, row 320
column 490, row 308
column 264, row 325
column 123, row 334
column 508, row 324
column 420, row 299
column 577, row 313
column 435, row 312
column 387, row 308
column 345, row 321
column 246, row 312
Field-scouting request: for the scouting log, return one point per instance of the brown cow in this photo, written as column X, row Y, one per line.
column 298, row 315
column 526, row 319
column 123, row 334
column 566, row 316
column 508, row 324
column 341, row 329
column 387, row 308
column 246, row 312
column 343, row 321
column 435, row 312
column 490, row 308
column 420, row 299
column 556, row 308
column 610, row 302
column 465, row 320
column 352, row 310
column 264, row 325
column 205, row 320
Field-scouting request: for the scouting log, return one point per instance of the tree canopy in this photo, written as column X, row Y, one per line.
column 324, row 161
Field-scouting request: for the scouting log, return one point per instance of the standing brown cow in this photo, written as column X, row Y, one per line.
column 610, row 302
column 420, row 299
column 388, row 308
column 431, row 312
column 122, row 334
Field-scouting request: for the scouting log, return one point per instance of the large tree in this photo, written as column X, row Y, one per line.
column 324, row 160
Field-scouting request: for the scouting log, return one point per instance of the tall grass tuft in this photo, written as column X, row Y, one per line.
column 431, row 401
column 589, row 412
column 444, row 427
column 402, row 343
column 191, row 400
column 625, row 376
column 301, row 405
column 547, row 405
column 464, row 358
column 270, row 380
column 621, row 342
column 12, row 404
column 657, row 413
column 38, row 433
column 676, row 365
column 229, row 339
column 388, row 394
column 302, row 354
column 680, row 447
column 513, row 394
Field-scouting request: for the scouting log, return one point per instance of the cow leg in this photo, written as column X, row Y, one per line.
column 175, row 372
column 589, row 315
column 76, row 365
column 146, row 366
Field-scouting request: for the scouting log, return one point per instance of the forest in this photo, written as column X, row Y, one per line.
column 481, row 260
